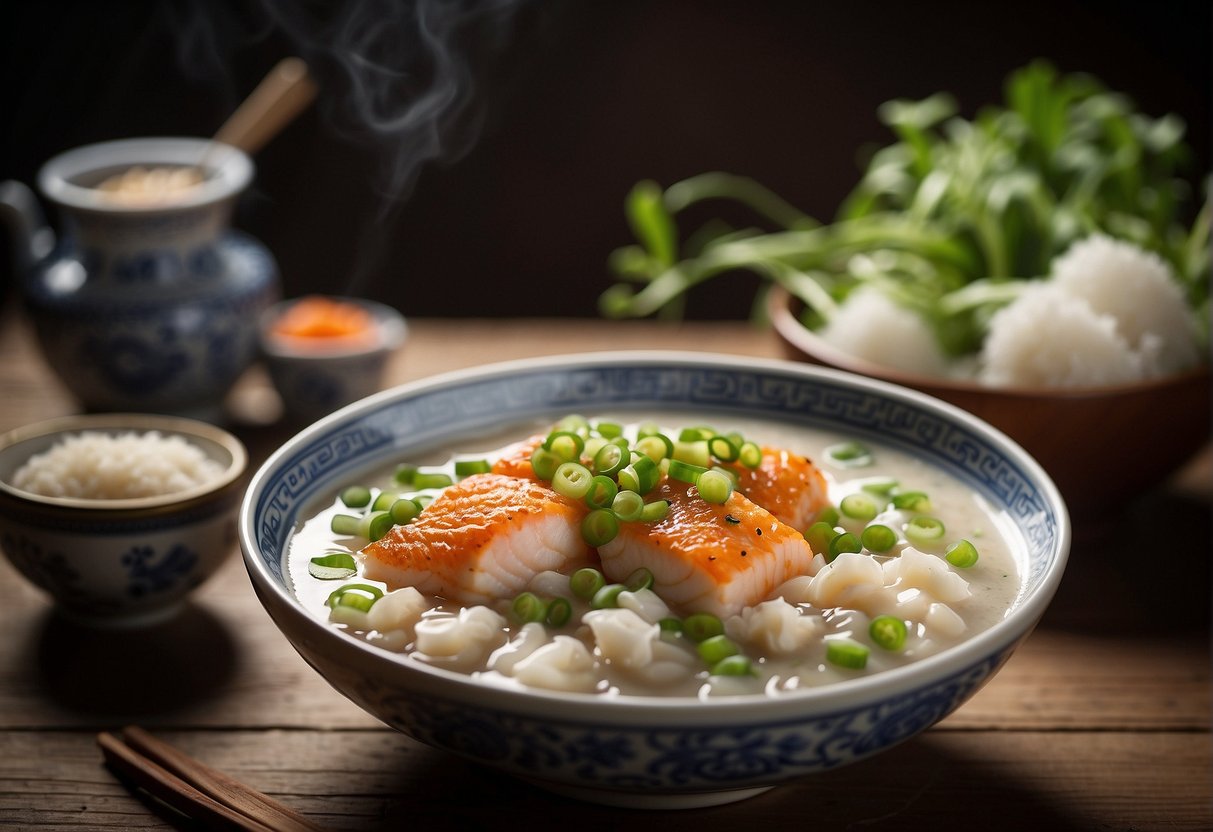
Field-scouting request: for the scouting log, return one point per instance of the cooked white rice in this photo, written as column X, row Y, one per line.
column 1110, row 313
column 99, row 466
column 869, row 325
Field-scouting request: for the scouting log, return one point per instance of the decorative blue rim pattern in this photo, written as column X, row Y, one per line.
column 415, row 420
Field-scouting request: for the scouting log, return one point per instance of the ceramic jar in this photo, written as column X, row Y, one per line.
column 143, row 305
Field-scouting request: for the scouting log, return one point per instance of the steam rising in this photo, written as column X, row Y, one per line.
column 397, row 73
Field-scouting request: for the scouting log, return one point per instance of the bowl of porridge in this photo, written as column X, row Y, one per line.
column 654, row 579
column 118, row 517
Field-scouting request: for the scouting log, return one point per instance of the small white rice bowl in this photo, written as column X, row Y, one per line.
column 101, row 466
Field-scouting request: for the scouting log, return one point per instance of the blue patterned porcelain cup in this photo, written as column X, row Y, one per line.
column 144, row 302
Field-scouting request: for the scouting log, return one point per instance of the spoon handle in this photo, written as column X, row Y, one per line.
column 277, row 100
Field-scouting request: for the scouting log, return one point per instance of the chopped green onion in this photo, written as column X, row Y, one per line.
column 599, row 527
column 345, row 524
column 628, row 505
column 846, row 653
column 655, row 511
column 404, row 511
column 880, row 487
column 733, row 476
column 559, row 612
column 685, row 471
column 695, row 434
column 529, row 607
column 404, row 474
column 716, row 648
column 375, row 524
column 700, row 626
column 607, row 597
column 714, row 487
column 384, row 501
column 431, row 479
column 923, row 530
column 467, row 467
column 693, row 453
column 888, row 632
column 574, row 423
column 723, row 448
column 656, row 446
column 819, row 536
column 359, row 596
column 601, row 492
column 749, row 455
column 423, row 500
column 356, row 496
column 565, row 444
column 732, row 666
column 829, row 514
column 545, row 462
column 611, row 458
column 647, row 429
column 333, row 566
column 961, row 554
column 609, row 429
column 849, row 455
column 878, row 538
column 585, row 582
column 845, row 542
column 573, row 480
column 859, row 506
column 911, row 501
column 593, row 445
column 642, row 578
column 670, row 625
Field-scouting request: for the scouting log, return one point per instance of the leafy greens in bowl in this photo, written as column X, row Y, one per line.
column 955, row 221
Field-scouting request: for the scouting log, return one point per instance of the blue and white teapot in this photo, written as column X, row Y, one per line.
column 148, row 300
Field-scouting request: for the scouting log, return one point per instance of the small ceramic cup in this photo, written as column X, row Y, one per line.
column 315, row 376
column 123, row 562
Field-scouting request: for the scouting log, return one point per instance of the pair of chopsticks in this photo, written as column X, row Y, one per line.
column 206, row 795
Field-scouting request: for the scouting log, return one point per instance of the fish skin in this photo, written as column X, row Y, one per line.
column 482, row 539
column 703, row 562
column 786, row 484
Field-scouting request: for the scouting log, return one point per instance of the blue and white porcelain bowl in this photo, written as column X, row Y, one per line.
column 129, row 562
column 313, row 380
column 648, row 751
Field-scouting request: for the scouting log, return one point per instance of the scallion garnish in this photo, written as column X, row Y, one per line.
column 961, row 554
column 559, row 612
column 749, row 455
column 714, row 649
column 888, row 632
column 628, row 505
column 858, row 506
column 656, row 446
column 922, row 530
column 599, row 527
column 714, row 487
column 732, row 666
column 565, row 444
column 467, row 467
column 384, row 501
column 345, row 524
column 528, row 607
column 611, row 457
column 356, row 496
column 845, row 542
column 685, row 471
column 609, row 429
column 585, row 582
column 700, row 626
column 404, row 474
column 359, row 596
column 573, row 480
column 655, row 511
column 601, row 492
column 375, row 524
column 723, row 448
column 545, row 462
column 911, row 501
column 607, row 597
column 642, row 578
column 849, row 455
column 333, row 566
column 404, row 511
column 878, row 538
column 431, row 479
column 846, row 653
column 819, row 536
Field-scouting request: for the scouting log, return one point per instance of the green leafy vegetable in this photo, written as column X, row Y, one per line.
column 952, row 219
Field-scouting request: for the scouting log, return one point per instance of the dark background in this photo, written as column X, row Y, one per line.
column 512, row 206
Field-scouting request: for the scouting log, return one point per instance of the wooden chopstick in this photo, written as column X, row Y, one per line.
column 193, row 788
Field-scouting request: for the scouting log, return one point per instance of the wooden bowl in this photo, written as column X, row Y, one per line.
column 1102, row 446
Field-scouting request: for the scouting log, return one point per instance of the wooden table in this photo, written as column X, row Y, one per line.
column 1101, row 721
